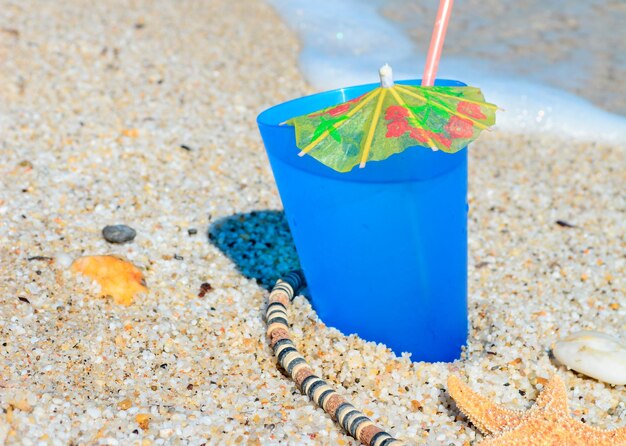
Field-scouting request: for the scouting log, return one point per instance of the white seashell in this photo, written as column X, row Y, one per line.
column 593, row 354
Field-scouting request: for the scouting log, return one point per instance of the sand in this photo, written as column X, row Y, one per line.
column 97, row 100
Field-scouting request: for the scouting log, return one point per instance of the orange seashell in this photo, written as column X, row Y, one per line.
column 118, row 278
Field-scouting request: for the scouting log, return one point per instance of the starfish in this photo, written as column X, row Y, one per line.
column 547, row 423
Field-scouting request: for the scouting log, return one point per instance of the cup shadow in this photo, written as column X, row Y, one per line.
column 259, row 243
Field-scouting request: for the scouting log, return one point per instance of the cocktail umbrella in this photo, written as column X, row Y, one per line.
column 390, row 119
column 393, row 117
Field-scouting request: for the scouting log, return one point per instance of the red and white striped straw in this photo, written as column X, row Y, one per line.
column 436, row 42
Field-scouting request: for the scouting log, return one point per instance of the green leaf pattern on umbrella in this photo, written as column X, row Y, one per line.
column 442, row 118
column 328, row 125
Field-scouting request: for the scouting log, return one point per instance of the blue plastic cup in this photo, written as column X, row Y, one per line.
column 384, row 248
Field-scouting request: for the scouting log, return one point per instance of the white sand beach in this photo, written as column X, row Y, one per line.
column 97, row 101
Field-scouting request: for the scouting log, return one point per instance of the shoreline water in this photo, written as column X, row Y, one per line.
column 579, row 47
column 341, row 48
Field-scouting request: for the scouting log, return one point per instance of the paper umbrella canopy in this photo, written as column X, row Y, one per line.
column 391, row 118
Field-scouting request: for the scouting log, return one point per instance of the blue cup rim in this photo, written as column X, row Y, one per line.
column 262, row 118
column 409, row 165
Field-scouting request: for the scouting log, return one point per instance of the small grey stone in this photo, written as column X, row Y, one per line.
column 118, row 233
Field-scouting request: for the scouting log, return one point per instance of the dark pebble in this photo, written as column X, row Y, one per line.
column 177, row 257
column 204, row 288
column 192, row 231
column 565, row 224
column 44, row 258
column 118, row 233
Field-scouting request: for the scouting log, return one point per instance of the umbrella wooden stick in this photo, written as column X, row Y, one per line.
column 436, row 42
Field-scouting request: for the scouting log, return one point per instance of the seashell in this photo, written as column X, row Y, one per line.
column 117, row 278
column 594, row 354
